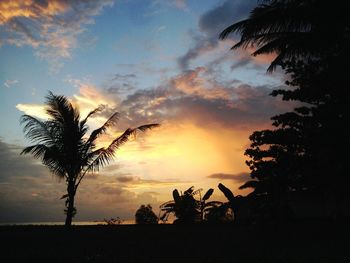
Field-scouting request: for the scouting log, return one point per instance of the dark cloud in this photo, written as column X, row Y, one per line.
column 210, row 26
column 240, row 63
column 240, row 177
column 124, row 76
column 28, row 193
column 214, row 21
column 126, row 179
column 13, row 165
column 202, row 45
column 108, row 190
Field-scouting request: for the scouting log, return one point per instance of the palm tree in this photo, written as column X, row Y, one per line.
column 293, row 29
column 62, row 145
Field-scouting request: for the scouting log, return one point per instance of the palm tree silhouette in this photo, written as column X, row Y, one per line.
column 293, row 29
column 62, row 146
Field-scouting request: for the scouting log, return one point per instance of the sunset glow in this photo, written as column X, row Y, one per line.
column 151, row 61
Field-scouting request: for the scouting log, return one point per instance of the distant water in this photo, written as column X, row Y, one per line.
column 77, row 223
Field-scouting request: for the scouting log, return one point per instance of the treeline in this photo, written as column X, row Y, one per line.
column 305, row 156
column 299, row 169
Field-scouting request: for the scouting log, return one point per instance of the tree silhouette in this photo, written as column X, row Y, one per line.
column 219, row 212
column 293, row 29
column 145, row 215
column 186, row 208
column 307, row 151
column 61, row 144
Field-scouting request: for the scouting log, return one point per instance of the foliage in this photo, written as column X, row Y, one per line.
column 62, row 145
column 293, row 29
column 307, row 151
column 189, row 210
column 145, row 215
column 113, row 221
column 185, row 207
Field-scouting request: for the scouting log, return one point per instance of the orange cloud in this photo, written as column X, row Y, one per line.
column 53, row 28
column 30, row 9
column 192, row 83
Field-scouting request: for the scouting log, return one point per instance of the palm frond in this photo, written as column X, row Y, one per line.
column 50, row 156
column 96, row 133
column 103, row 156
column 237, row 27
column 276, row 26
column 91, row 113
column 37, row 150
column 36, row 130
column 276, row 62
column 60, row 109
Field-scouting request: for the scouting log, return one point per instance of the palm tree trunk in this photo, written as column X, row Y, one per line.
column 70, row 206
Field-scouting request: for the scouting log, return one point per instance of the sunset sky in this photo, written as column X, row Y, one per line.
column 152, row 61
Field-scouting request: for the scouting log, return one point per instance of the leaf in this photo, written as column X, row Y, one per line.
column 176, row 197
column 189, row 191
column 227, row 192
column 208, row 194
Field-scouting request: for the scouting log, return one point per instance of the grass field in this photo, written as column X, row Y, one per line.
column 302, row 242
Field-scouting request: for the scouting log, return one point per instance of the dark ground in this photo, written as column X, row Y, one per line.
column 297, row 242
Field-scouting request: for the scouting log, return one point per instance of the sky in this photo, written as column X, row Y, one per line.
column 152, row 61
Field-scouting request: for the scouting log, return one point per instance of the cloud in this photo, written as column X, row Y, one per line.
column 206, row 39
column 181, row 4
column 127, row 179
column 200, row 97
column 10, row 82
column 27, row 191
column 240, row 177
column 159, row 29
column 124, row 77
column 36, row 110
column 88, row 98
column 51, row 27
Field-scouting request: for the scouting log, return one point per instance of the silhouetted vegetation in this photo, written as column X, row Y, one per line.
column 61, row 144
column 113, row 221
column 295, row 29
column 189, row 210
column 304, row 158
column 185, row 207
column 145, row 215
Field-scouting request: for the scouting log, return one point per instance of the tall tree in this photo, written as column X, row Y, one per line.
column 307, row 151
column 61, row 144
